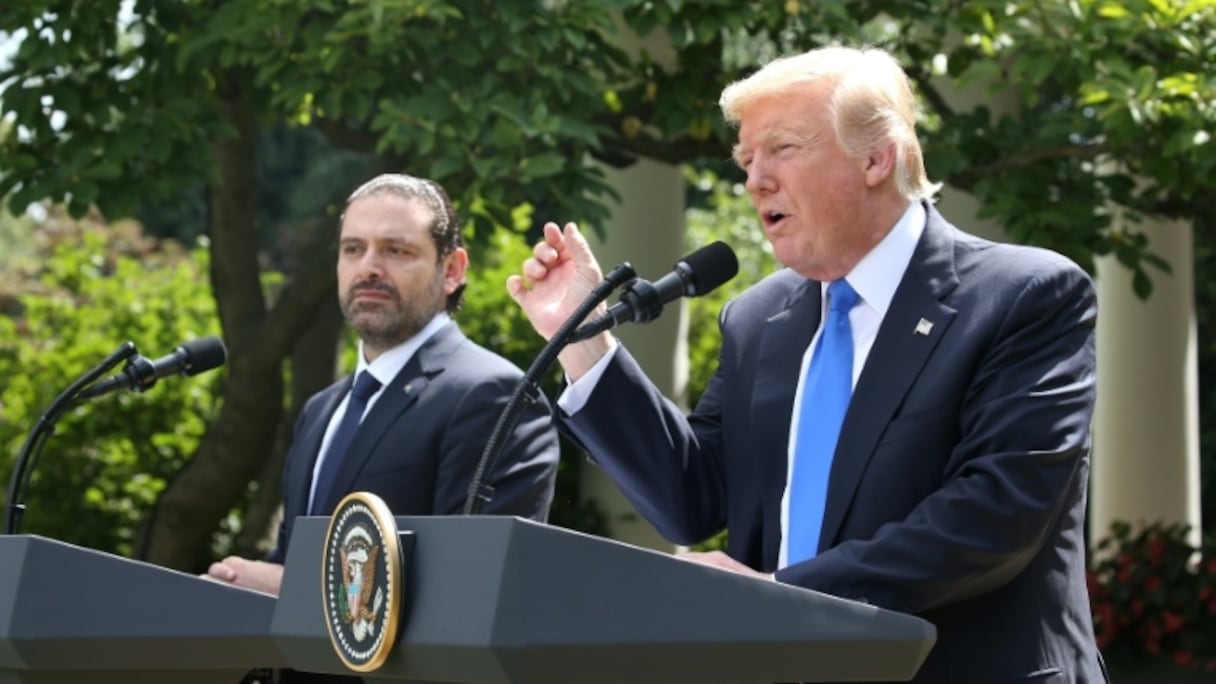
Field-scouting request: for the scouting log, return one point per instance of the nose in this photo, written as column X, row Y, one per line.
column 371, row 267
column 759, row 180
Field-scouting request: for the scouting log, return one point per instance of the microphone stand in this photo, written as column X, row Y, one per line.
column 481, row 493
column 23, row 467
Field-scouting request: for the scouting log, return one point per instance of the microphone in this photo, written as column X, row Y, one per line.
column 642, row 301
column 140, row 373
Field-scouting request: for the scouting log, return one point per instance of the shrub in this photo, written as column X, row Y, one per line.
column 1153, row 595
column 84, row 289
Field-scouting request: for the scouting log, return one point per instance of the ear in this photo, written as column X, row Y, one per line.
column 880, row 165
column 454, row 267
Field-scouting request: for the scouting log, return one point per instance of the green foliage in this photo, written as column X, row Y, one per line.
column 108, row 458
column 1053, row 114
column 436, row 85
column 100, row 105
column 1092, row 106
column 1154, row 596
column 1068, row 109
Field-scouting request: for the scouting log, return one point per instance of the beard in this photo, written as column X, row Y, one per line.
column 385, row 324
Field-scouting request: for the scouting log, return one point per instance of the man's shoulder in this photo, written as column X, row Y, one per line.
column 471, row 358
column 983, row 258
column 991, row 265
column 768, row 296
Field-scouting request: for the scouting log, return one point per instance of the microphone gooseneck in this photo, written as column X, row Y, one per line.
column 23, row 466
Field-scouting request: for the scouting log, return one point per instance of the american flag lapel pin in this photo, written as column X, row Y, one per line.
column 923, row 327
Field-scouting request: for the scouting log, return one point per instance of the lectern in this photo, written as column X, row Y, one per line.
column 75, row 615
column 501, row 600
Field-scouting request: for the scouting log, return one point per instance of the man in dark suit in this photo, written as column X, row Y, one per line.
column 949, row 478
column 433, row 395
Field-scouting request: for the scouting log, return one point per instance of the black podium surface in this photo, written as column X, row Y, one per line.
column 503, row 600
column 70, row 614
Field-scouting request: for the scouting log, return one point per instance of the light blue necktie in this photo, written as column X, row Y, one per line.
column 365, row 386
column 825, row 398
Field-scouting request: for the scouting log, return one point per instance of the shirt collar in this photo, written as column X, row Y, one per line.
column 876, row 277
column 389, row 364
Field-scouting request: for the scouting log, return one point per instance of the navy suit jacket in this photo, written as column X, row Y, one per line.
column 958, row 487
column 419, row 444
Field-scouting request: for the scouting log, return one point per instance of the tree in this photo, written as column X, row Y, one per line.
column 1104, row 106
column 1086, row 106
column 115, row 116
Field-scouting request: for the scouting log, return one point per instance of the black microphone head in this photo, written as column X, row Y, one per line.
column 202, row 354
column 710, row 267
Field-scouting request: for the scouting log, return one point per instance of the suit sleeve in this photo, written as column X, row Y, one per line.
column 666, row 464
column 1020, row 462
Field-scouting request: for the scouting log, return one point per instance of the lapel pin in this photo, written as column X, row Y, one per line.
column 923, row 327
column 407, row 389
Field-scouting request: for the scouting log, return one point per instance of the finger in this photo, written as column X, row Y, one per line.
column 546, row 253
column 534, row 270
column 553, row 234
column 577, row 247
column 221, row 571
column 516, row 287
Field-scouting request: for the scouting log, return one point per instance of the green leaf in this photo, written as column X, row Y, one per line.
column 542, row 165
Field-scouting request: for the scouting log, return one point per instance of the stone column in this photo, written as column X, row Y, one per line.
column 1146, row 425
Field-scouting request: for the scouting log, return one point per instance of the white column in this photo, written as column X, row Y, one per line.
column 647, row 230
column 1146, row 425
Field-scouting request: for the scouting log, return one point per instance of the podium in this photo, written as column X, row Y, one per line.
column 488, row 600
column 501, row 600
column 75, row 615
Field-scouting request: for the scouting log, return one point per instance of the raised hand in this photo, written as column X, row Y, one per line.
column 559, row 275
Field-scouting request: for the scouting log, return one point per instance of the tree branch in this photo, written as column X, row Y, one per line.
column 966, row 179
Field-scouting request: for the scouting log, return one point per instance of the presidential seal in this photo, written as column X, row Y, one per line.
column 362, row 581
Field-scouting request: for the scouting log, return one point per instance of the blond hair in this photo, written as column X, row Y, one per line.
column 870, row 104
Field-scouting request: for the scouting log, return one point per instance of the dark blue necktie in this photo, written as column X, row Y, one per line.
column 365, row 387
column 825, row 398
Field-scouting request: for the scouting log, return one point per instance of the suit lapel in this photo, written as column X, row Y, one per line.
column 300, row 486
column 783, row 342
column 903, row 344
column 398, row 397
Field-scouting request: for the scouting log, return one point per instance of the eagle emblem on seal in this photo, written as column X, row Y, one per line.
column 362, row 601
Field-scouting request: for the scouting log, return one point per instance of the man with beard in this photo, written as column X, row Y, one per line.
column 430, row 395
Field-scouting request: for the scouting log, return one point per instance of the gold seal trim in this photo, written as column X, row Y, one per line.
column 389, row 557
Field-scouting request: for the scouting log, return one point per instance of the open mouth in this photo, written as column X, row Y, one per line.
column 772, row 218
